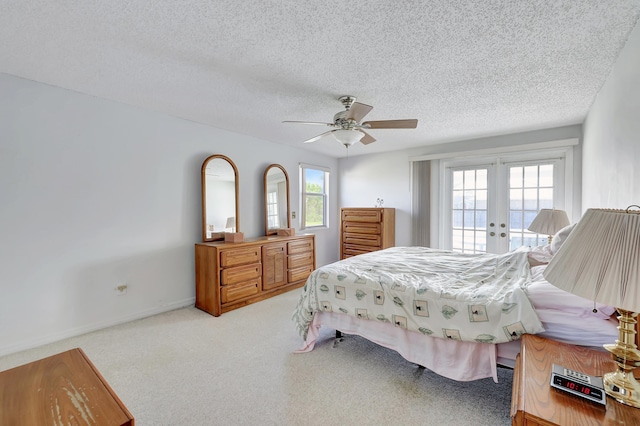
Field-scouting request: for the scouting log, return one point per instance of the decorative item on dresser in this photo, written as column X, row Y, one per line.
column 229, row 276
column 363, row 230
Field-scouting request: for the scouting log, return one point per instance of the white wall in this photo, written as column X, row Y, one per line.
column 94, row 194
column 612, row 135
column 364, row 178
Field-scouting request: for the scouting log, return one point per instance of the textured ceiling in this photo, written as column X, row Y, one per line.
column 463, row 68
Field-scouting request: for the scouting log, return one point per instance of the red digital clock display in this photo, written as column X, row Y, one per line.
column 577, row 387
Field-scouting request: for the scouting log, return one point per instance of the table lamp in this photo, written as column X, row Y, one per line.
column 549, row 221
column 600, row 260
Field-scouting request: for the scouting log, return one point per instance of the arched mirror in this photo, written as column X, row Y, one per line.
column 276, row 199
column 219, row 198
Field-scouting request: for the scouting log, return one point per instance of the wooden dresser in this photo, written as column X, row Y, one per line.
column 232, row 275
column 363, row 230
column 535, row 402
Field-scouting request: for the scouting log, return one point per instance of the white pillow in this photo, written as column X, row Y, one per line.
column 560, row 238
column 539, row 255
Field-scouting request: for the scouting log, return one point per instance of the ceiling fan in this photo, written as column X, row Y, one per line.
column 348, row 125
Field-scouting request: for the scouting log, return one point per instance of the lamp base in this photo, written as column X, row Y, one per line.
column 622, row 385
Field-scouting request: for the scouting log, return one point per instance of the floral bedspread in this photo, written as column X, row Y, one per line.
column 467, row 297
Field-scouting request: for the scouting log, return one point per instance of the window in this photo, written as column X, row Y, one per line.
column 314, row 184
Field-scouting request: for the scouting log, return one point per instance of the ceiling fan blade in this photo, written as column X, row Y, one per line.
column 367, row 138
column 358, row 111
column 391, row 124
column 310, row 122
column 318, row 137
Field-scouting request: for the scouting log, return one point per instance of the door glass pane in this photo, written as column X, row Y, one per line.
column 515, row 199
column 481, row 179
column 481, row 219
column 546, row 176
column 469, row 219
column 469, row 200
column 457, row 218
column 470, row 178
column 530, row 199
column 531, row 176
column 458, row 197
column 546, row 198
column 458, row 178
column 481, row 199
column 515, row 176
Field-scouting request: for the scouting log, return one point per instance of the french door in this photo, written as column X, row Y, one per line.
column 488, row 206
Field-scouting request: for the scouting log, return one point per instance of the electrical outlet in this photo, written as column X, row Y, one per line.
column 121, row 289
column 293, row 215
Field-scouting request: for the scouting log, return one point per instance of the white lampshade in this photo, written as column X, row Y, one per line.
column 347, row 137
column 600, row 260
column 231, row 222
column 549, row 221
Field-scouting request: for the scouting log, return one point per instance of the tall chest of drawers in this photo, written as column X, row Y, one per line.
column 232, row 275
column 363, row 230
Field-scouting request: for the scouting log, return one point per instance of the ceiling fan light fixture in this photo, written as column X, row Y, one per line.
column 347, row 137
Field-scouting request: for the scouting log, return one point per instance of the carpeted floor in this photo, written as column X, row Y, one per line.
column 186, row 367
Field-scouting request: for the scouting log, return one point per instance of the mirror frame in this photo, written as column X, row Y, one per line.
column 274, row 231
column 217, row 235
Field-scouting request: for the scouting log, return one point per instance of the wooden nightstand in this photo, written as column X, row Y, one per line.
column 535, row 402
column 61, row 389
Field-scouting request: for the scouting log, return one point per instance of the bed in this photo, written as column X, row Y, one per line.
column 459, row 315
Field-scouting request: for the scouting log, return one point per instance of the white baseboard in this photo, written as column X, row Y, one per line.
column 34, row 343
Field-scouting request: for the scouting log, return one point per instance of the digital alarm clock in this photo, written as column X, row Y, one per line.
column 583, row 385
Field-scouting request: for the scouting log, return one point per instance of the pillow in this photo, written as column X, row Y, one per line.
column 544, row 295
column 539, row 255
column 560, row 238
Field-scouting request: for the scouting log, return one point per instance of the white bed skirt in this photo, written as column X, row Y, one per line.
column 456, row 360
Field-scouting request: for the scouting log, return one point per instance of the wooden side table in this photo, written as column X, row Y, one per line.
column 535, row 402
column 59, row 390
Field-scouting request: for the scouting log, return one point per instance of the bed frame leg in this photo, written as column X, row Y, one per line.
column 338, row 334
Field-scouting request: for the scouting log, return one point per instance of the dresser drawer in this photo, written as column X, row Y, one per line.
column 239, row 274
column 300, row 260
column 300, row 246
column 362, row 216
column 362, row 240
column 299, row 274
column 361, row 228
column 240, row 256
column 354, row 250
column 232, row 293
